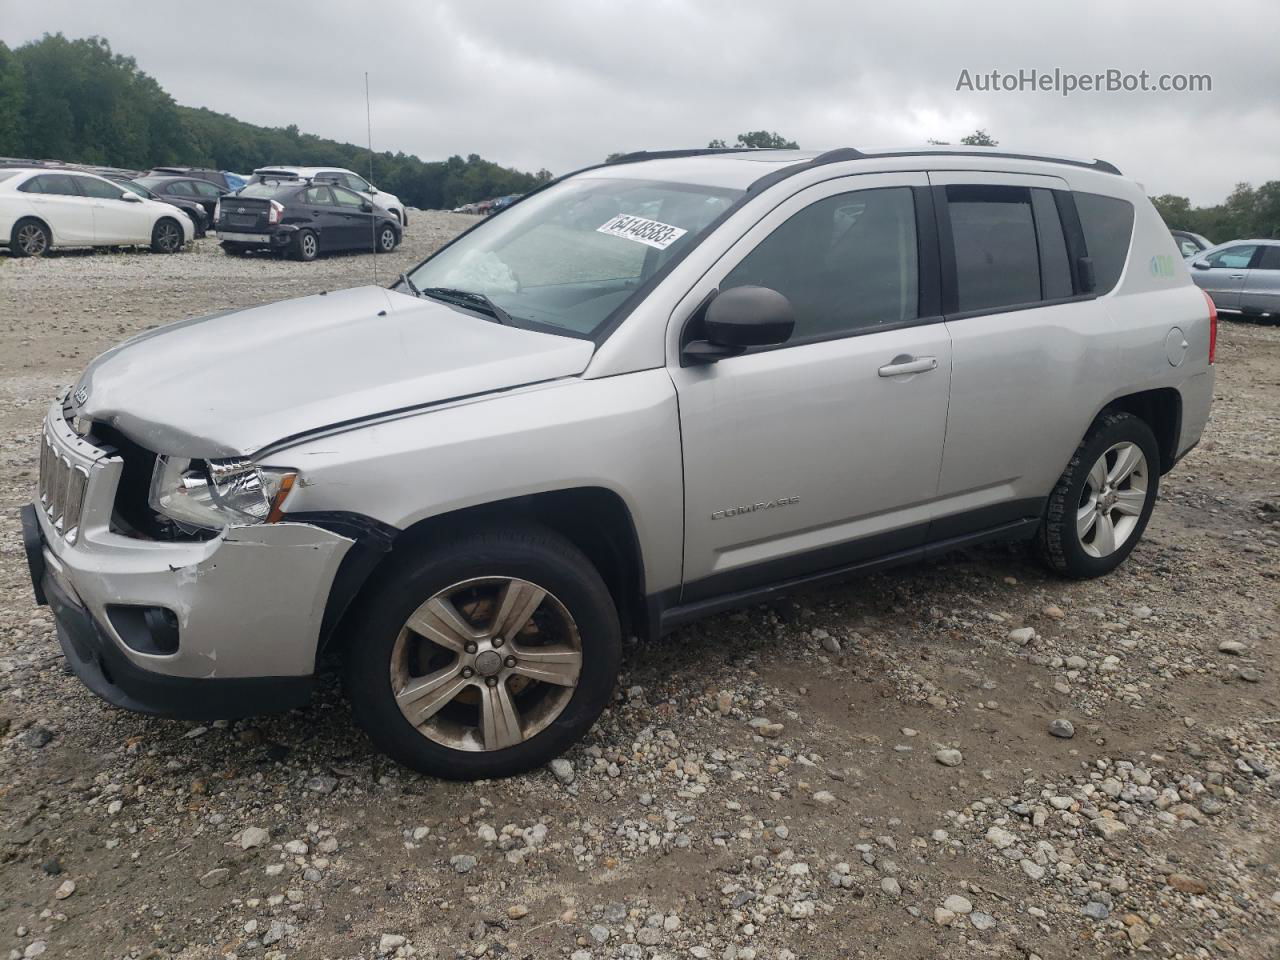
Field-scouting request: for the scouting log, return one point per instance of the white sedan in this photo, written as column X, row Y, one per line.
column 44, row 208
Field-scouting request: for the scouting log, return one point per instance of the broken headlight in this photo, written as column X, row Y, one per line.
column 212, row 494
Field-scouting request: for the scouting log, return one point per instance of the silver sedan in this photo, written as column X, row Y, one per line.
column 1242, row 276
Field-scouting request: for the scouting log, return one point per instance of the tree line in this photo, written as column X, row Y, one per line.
column 76, row 100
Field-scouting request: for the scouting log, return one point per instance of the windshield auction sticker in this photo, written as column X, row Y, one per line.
column 649, row 232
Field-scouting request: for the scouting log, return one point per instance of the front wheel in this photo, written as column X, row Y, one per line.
column 485, row 656
column 166, row 237
column 1101, row 504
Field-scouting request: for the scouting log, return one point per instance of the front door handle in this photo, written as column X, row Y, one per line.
column 1235, row 276
column 902, row 365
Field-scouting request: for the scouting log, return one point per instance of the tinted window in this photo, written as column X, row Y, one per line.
column 346, row 198
column 1188, row 247
column 99, row 189
column 1108, row 225
column 846, row 263
column 1233, row 258
column 1055, row 264
column 204, row 188
column 997, row 256
column 58, row 184
column 355, row 183
column 179, row 188
column 320, row 196
column 1270, row 259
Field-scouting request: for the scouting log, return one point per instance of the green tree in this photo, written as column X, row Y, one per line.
column 13, row 102
column 980, row 138
column 759, row 139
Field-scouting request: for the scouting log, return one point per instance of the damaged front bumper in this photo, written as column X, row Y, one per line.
column 210, row 629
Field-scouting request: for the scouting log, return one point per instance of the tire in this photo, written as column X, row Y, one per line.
column 1100, row 507
column 387, row 240
column 305, row 247
column 477, row 573
column 29, row 238
column 167, row 236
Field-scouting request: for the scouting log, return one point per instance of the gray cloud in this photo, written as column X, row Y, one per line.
column 561, row 83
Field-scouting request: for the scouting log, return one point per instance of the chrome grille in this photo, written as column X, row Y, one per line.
column 62, row 486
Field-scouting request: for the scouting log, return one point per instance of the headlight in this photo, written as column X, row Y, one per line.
column 213, row 494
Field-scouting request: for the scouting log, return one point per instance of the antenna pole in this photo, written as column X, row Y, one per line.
column 373, row 222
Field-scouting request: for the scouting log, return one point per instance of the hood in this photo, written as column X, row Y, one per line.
column 233, row 383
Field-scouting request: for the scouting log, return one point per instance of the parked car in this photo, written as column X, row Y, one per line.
column 576, row 423
column 342, row 177
column 192, row 208
column 203, row 192
column 503, row 202
column 218, row 178
column 1242, row 276
column 41, row 209
column 1190, row 244
column 303, row 219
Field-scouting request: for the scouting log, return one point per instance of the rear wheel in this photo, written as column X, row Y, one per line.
column 387, row 239
column 166, row 236
column 1101, row 505
column 30, row 238
column 305, row 246
column 485, row 656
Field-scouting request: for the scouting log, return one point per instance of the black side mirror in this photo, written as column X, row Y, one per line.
column 1087, row 277
column 1201, row 264
column 367, row 207
column 739, row 318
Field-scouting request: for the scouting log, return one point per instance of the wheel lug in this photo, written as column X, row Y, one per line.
column 498, row 641
column 492, row 681
column 471, row 648
column 511, row 661
column 467, row 673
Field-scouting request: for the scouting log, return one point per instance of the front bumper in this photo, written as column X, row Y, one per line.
column 244, row 608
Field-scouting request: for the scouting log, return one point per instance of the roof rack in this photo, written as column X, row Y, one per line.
column 641, row 155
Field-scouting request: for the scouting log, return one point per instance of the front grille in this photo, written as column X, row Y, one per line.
column 62, row 486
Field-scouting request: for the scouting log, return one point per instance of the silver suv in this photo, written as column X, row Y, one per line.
column 652, row 390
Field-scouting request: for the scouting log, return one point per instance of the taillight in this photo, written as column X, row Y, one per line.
column 1213, row 327
column 273, row 215
column 217, row 210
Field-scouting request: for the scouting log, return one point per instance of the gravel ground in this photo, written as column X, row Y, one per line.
column 969, row 758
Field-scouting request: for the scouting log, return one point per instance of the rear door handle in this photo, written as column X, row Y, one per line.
column 903, row 365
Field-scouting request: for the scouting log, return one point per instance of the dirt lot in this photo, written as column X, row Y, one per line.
column 829, row 828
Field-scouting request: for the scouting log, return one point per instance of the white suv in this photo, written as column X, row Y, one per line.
column 45, row 208
column 650, row 391
column 346, row 178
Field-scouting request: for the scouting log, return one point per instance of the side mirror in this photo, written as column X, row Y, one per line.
column 739, row 318
column 367, row 207
column 1201, row 264
column 129, row 197
column 372, row 188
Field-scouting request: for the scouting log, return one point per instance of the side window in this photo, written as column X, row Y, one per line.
column 1270, row 258
column 346, row 198
column 33, row 185
column 355, row 183
column 847, row 263
column 179, row 188
column 1108, row 226
column 318, row 196
column 204, row 188
column 1233, row 258
column 99, row 189
column 1188, row 248
column 56, row 184
column 993, row 230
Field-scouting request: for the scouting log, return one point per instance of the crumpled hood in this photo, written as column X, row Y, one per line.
column 233, row 383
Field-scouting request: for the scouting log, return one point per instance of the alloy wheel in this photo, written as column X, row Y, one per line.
column 168, row 238
column 32, row 239
column 388, row 239
column 1111, row 504
column 486, row 663
column 308, row 246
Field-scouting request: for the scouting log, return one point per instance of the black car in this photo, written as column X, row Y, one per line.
column 216, row 177
column 192, row 208
column 199, row 191
column 303, row 219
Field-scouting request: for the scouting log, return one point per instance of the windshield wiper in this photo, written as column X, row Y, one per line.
column 404, row 278
column 469, row 299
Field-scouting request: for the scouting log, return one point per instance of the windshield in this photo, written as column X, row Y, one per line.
column 137, row 188
column 567, row 257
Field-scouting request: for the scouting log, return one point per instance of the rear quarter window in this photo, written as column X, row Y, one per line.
column 1108, row 226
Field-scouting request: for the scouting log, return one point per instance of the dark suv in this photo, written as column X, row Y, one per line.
column 304, row 219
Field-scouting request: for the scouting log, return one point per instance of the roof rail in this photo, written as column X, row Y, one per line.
column 849, row 153
column 641, row 155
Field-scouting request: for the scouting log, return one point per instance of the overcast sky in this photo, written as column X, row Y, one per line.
column 561, row 83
